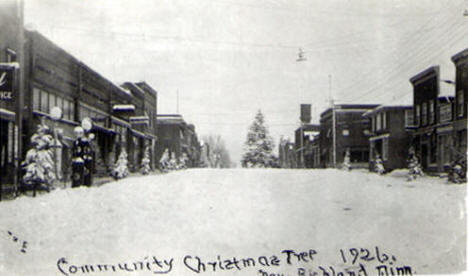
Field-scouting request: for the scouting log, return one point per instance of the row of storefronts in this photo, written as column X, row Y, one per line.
column 435, row 126
column 36, row 76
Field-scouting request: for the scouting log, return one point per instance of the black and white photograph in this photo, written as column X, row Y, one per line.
column 233, row 137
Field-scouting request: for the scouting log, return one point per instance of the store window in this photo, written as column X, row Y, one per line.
column 44, row 101
column 424, row 114
column 385, row 149
column 36, row 99
column 51, row 102
column 409, row 118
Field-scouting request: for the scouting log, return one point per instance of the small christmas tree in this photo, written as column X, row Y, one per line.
column 172, row 165
column 457, row 170
column 378, row 165
column 183, row 161
column 121, row 166
column 145, row 162
column 164, row 161
column 39, row 162
column 347, row 161
column 414, row 167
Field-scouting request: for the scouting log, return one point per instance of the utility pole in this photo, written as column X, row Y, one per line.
column 333, row 119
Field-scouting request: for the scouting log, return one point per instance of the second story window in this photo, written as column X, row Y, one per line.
column 409, row 118
column 431, row 112
column 424, row 114
column 378, row 122
column 445, row 112
column 384, row 120
column 460, row 104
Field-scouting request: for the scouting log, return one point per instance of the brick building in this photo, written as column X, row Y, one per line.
column 178, row 137
column 389, row 137
column 350, row 129
column 461, row 103
column 11, row 56
column 436, row 139
column 50, row 77
column 307, row 154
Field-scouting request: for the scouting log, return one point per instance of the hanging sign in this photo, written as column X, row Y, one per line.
column 7, row 71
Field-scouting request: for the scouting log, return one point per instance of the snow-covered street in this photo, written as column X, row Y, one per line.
column 174, row 222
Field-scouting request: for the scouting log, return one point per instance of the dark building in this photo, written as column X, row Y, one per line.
column 287, row 154
column 438, row 131
column 177, row 137
column 461, row 103
column 142, row 121
column 343, row 127
column 389, row 137
column 306, row 145
column 49, row 77
column 11, row 121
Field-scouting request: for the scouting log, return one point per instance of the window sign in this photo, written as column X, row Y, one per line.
column 6, row 81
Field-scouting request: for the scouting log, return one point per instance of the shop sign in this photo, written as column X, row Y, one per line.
column 6, row 81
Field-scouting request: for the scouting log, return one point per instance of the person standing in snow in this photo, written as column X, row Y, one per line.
column 82, row 159
column 88, row 156
column 77, row 158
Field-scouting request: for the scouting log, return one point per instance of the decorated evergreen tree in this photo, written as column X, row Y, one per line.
column 259, row 145
column 457, row 169
column 164, row 161
column 414, row 168
column 121, row 166
column 378, row 165
column 145, row 162
column 39, row 162
column 183, row 163
column 172, row 164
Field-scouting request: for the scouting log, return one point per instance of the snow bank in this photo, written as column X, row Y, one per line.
column 237, row 213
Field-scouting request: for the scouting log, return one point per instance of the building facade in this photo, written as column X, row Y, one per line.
column 178, row 137
column 389, row 138
column 306, row 145
column 11, row 96
column 461, row 103
column 439, row 132
column 49, row 77
column 341, row 128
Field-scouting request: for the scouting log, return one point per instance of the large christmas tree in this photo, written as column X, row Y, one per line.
column 259, row 145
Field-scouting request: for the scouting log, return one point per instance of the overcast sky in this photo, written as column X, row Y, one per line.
column 230, row 58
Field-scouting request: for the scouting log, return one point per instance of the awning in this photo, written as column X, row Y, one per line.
column 123, row 107
column 139, row 134
column 138, row 120
column 7, row 114
column 120, row 122
column 106, row 130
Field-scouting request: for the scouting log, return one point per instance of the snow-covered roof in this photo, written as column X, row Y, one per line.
column 384, row 107
column 119, row 107
column 139, row 120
